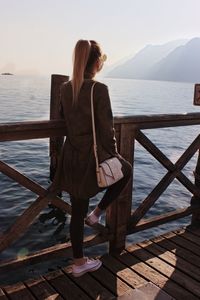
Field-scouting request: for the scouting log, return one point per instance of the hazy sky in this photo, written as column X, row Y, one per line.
column 39, row 35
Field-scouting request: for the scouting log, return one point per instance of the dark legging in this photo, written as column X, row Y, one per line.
column 80, row 209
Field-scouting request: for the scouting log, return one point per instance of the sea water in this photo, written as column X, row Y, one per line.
column 28, row 99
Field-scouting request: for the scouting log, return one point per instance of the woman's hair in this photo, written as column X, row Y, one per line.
column 86, row 53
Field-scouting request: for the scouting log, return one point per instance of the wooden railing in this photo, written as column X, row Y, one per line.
column 120, row 220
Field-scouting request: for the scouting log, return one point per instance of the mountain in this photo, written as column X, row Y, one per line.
column 182, row 64
column 138, row 66
column 6, row 73
column 170, row 62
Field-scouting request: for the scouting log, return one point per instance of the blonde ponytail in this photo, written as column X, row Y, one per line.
column 80, row 59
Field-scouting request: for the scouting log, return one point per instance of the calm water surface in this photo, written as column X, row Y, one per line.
column 27, row 99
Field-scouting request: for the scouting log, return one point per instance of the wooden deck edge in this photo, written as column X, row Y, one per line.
column 61, row 250
column 159, row 220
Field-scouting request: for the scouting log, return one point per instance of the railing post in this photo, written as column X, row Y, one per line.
column 118, row 213
column 55, row 142
column 195, row 201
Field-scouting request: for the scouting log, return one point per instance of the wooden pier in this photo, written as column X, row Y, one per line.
column 167, row 267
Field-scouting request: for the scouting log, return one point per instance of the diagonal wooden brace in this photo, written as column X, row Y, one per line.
column 29, row 215
column 164, row 183
column 23, row 222
column 32, row 186
column 166, row 162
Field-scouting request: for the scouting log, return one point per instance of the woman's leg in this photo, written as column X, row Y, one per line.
column 81, row 264
column 79, row 212
column 111, row 193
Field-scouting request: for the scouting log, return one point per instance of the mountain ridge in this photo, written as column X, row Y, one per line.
column 173, row 61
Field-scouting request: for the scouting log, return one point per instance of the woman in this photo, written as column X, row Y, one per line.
column 76, row 172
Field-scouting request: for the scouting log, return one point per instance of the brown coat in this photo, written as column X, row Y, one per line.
column 76, row 171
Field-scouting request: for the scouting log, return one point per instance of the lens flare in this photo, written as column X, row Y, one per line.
column 23, row 252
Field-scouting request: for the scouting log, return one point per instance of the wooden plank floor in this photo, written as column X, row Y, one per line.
column 166, row 267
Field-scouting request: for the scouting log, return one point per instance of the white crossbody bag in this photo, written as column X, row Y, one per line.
column 109, row 171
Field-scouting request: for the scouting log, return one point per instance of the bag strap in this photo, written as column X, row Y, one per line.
column 93, row 128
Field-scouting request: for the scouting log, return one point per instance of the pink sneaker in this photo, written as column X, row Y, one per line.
column 92, row 219
column 90, row 265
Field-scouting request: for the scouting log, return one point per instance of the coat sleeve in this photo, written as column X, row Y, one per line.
column 104, row 123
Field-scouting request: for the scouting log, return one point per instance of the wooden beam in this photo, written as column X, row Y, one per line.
column 160, row 120
column 42, row 129
column 159, row 220
column 55, row 143
column 115, row 220
column 195, row 200
column 31, row 130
